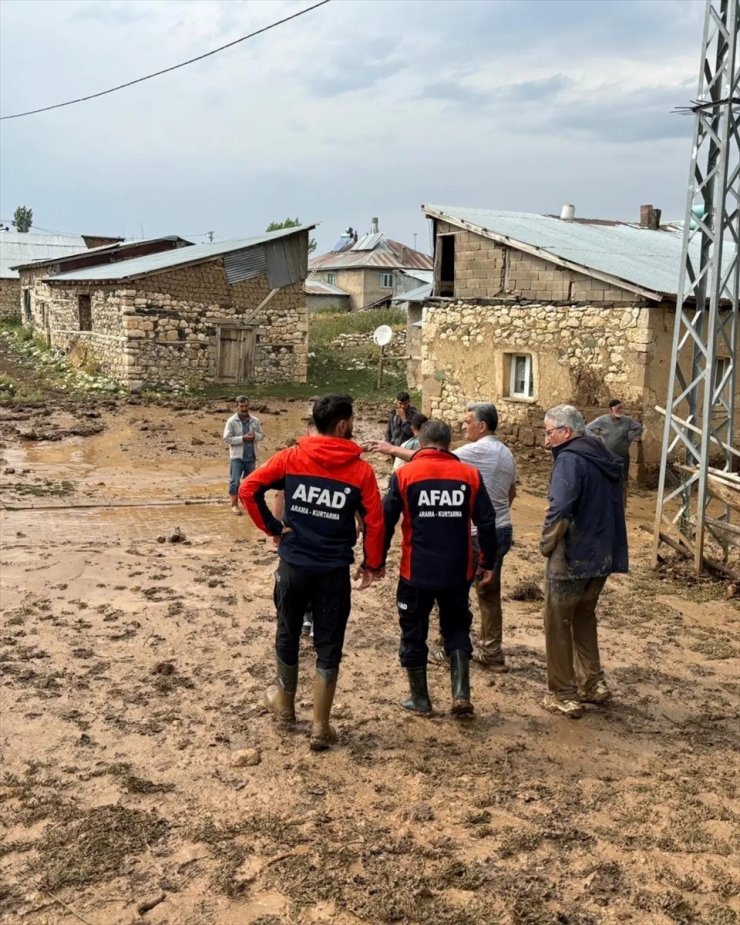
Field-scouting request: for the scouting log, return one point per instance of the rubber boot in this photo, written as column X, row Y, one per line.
column 419, row 701
column 324, row 685
column 280, row 698
column 460, row 678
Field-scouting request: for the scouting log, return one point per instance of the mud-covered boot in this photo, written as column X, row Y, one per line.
column 460, row 678
column 280, row 698
column 419, row 701
column 324, row 685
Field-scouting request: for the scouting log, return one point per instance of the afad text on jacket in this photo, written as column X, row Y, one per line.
column 325, row 483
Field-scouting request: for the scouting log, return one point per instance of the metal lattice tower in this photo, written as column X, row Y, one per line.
column 701, row 404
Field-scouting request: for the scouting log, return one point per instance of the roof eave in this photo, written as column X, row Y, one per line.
column 546, row 255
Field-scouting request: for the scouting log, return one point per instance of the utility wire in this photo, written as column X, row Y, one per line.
column 130, row 83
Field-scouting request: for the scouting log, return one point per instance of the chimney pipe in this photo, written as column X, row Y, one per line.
column 568, row 212
column 373, row 226
column 650, row 217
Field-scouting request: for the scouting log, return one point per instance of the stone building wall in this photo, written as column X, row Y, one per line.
column 583, row 355
column 10, row 298
column 163, row 329
column 485, row 269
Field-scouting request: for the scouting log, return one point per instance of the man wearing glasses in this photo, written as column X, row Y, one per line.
column 584, row 540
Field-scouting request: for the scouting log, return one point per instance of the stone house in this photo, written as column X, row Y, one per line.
column 55, row 264
column 364, row 267
column 20, row 247
column 529, row 311
column 230, row 312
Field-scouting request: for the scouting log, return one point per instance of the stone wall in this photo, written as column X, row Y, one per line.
column 395, row 350
column 10, row 298
column 163, row 329
column 581, row 354
column 485, row 269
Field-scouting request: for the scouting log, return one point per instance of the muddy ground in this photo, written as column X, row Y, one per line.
column 140, row 769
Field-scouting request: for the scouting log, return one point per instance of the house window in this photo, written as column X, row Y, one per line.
column 386, row 281
column 85, row 311
column 331, row 278
column 521, row 380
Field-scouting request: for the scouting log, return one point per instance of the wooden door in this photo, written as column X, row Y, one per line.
column 235, row 355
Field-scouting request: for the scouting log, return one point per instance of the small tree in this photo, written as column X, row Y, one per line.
column 291, row 223
column 23, row 218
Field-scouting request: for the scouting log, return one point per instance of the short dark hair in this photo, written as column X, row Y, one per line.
column 329, row 410
column 435, row 432
column 486, row 413
column 417, row 420
column 615, row 401
column 403, row 396
column 241, row 398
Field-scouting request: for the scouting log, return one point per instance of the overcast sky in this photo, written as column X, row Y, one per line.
column 360, row 108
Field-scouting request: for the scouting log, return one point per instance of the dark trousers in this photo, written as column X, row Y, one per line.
column 415, row 605
column 329, row 595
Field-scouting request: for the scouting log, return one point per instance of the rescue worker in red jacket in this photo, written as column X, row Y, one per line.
column 439, row 496
column 325, row 484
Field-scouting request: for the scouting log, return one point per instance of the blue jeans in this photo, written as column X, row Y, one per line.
column 238, row 470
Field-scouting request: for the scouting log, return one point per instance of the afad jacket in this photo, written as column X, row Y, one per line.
column 325, row 484
column 585, row 535
column 439, row 497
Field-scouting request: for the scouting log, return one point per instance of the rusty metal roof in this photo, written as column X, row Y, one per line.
column 385, row 255
column 119, row 247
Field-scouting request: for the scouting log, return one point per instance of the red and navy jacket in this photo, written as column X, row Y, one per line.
column 439, row 496
column 325, row 484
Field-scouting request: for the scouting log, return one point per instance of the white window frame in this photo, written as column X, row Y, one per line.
column 331, row 279
column 382, row 277
column 528, row 392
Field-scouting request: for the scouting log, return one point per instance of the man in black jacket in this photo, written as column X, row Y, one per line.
column 584, row 540
column 399, row 429
column 439, row 497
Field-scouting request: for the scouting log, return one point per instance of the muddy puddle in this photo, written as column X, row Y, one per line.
column 132, row 674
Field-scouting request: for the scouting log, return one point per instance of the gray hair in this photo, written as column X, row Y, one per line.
column 567, row 416
column 486, row 413
column 435, row 432
column 240, row 398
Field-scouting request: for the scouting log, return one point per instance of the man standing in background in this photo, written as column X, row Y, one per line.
column 399, row 423
column 241, row 433
column 618, row 430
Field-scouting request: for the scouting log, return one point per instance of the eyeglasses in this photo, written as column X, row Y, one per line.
column 553, row 429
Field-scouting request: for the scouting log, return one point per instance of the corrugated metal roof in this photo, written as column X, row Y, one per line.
column 169, row 260
column 386, row 255
column 318, row 287
column 625, row 252
column 424, row 276
column 414, row 295
column 18, row 247
column 117, row 248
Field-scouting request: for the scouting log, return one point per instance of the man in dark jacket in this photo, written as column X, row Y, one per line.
column 399, row 429
column 584, row 540
column 439, row 496
column 325, row 484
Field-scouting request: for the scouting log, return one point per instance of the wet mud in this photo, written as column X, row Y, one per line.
column 143, row 781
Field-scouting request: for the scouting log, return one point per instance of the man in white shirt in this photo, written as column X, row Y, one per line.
column 497, row 468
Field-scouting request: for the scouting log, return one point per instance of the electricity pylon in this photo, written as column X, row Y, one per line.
column 701, row 403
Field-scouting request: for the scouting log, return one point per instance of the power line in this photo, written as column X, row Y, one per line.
column 130, row 83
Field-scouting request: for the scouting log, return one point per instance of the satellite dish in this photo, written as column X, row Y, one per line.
column 383, row 335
